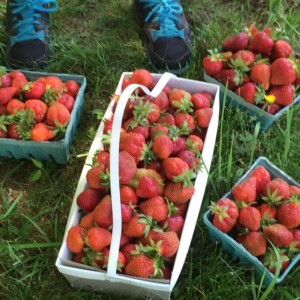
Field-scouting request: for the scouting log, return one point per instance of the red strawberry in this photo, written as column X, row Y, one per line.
column 200, row 100
column 127, row 195
column 103, row 212
column 194, row 143
column 143, row 77
column 71, row 87
column 288, row 213
column 155, row 207
column 67, row 100
column 236, row 42
column 225, row 213
column 133, row 144
column 296, row 236
column 126, row 212
column 179, row 144
column 162, row 146
column 87, row 221
column 280, row 187
column 138, row 226
column 103, row 263
column 162, row 101
column 247, row 92
column 53, row 83
column 39, row 109
column 14, row 105
column 273, row 108
column 249, row 217
column 261, row 43
column 147, row 187
column 248, row 57
column 270, row 261
column 294, row 190
column 174, row 166
column 284, row 94
column 212, row 63
column 97, row 238
column 158, row 129
column 278, row 234
column 282, row 71
column 33, row 90
column 5, row 79
column 98, row 177
column 18, row 80
column 260, row 74
column 88, row 199
column 281, row 48
column 102, row 157
column 57, row 113
column 203, row 116
column 6, row 94
column 75, row 239
column 177, row 193
column 245, row 191
column 232, row 78
column 255, row 243
column 12, row 131
column 41, row 132
column 262, row 177
column 190, row 158
column 185, row 121
column 130, row 251
column 177, row 96
column 166, row 119
column 267, row 212
column 127, row 167
column 141, row 266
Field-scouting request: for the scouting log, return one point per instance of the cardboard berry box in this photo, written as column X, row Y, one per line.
column 237, row 102
column 86, row 277
column 52, row 151
column 236, row 249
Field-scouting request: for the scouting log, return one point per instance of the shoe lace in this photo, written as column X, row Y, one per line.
column 164, row 12
column 29, row 11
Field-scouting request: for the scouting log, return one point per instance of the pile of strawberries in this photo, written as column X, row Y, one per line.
column 263, row 210
column 257, row 66
column 160, row 155
column 38, row 110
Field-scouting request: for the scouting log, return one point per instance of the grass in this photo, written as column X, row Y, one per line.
column 100, row 40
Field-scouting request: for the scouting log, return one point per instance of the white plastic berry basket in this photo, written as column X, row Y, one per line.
column 86, row 277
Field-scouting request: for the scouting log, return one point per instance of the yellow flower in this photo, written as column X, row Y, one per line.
column 270, row 98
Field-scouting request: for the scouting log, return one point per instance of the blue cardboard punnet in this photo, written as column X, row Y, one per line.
column 236, row 249
column 53, row 151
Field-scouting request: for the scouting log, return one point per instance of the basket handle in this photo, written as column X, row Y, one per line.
column 114, row 166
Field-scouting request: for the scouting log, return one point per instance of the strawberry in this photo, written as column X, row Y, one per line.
column 284, row 94
column 155, row 207
column 278, row 234
column 194, row 143
column 225, row 213
column 249, row 218
column 141, row 266
column 267, row 212
column 162, row 101
column 147, row 187
column 53, row 83
column 236, row 42
column 282, row 71
column 87, row 221
column 5, row 79
column 278, row 186
column 294, row 190
column 14, row 105
column 173, row 223
column 57, row 115
column 103, row 212
column 281, row 48
column 174, row 166
column 261, row 42
column 177, row 193
column 88, row 199
column 269, row 260
column 138, row 226
column 143, row 77
column 255, row 243
column 262, row 176
column 179, row 144
column 296, row 236
column 130, row 250
column 6, row 94
column 260, row 74
column 126, row 212
column 75, row 239
column 190, row 158
column 33, row 89
column 158, row 129
column 12, row 131
column 247, row 91
column 247, row 56
column 185, row 122
column 232, row 78
column 130, row 125
column 103, row 158
column 273, row 108
column 18, row 80
column 177, row 96
column 162, row 146
column 127, row 195
column 98, row 238
column 203, row 116
column 212, row 63
column 133, row 144
column 127, row 167
column 71, row 87
column 245, row 191
column 78, row 257
column 166, row 119
column 200, row 100
column 288, row 213
column 104, row 262
column 98, row 177
column 41, row 132
column 39, row 109
column 67, row 100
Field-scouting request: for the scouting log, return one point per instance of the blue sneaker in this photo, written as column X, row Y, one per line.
column 168, row 38
column 27, row 36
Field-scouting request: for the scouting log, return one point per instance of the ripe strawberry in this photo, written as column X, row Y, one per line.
column 247, row 91
column 185, row 121
column 288, row 213
column 284, row 94
column 141, row 266
column 281, row 48
column 57, row 114
column 162, row 146
column 174, row 166
column 158, row 129
column 267, row 212
column 262, row 176
column 33, row 89
column 130, row 250
column 102, row 157
column 88, row 199
column 166, row 119
column 126, row 212
column 278, row 186
column 14, row 105
column 254, row 242
column 236, row 42
column 200, row 100
column 87, row 221
column 155, row 207
column 67, row 100
column 225, row 213
column 261, row 42
column 296, row 236
column 71, row 87
column 247, row 56
column 78, row 257
column 190, row 158
column 250, row 218
column 137, row 227
column 105, row 256
column 98, row 238
column 177, row 193
column 273, row 108
column 6, row 94
column 133, row 144
column 18, row 80
column 147, row 187
column 282, row 71
column 177, row 96
column 179, row 144
column 131, row 125
column 269, row 260
column 98, row 177
column 39, row 109
column 194, row 143
column 127, row 167
column 278, row 234
column 103, row 212
column 41, row 132
column 162, row 101
column 143, row 77
column 127, row 195
column 53, row 83
column 212, row 63
column 173, row 223
column 245, row 191
column 203, row 116
column 5, row 79
column 75, row 239
column 260, row 74
column 232, row 78
column 294, row 190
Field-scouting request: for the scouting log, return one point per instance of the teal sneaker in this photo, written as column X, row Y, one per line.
column 27, row 34
column 168, row 39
